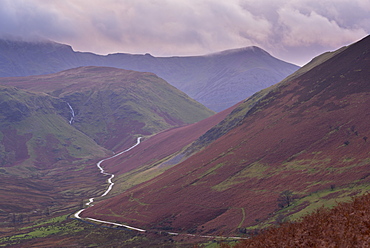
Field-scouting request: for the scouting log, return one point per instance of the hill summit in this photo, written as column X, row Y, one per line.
column 110, row 105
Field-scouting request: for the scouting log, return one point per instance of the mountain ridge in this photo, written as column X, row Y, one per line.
column 231, row 75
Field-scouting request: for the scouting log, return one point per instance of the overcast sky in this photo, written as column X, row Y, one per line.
column 292, row 30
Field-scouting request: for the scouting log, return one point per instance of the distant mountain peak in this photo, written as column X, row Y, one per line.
column 43, row 44
column 248, row 49
column 217, row 80
column 15, row 40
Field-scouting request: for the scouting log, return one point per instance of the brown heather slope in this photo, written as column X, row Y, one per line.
column 346, row 225
column 309, row 136
column 158, row 153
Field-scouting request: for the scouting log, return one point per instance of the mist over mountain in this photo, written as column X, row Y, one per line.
column 217, row 80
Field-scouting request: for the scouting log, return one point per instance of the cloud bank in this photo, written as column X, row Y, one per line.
column 293, row 30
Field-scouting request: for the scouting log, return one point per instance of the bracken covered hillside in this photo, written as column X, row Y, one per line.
column 346, row 225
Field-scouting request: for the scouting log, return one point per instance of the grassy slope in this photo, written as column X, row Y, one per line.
column 33, row 117
column 42, row 157
column 63, row 231
column 113, row 105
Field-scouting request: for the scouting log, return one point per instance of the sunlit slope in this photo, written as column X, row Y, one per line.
column 308, row 136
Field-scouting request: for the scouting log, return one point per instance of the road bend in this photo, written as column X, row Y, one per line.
column 91, row 200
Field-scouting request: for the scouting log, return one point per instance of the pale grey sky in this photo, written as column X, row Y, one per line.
column 292, row 30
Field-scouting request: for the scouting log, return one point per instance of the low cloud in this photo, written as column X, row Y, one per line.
column 294, row 30
column 314, row 29
column 27, row 19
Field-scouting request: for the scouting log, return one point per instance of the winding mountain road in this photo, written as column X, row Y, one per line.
column 91, row 200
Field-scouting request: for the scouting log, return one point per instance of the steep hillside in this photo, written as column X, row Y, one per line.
column 30, row 123
column 301, row 145
column 238, row 114
column 217, row 80
column 112, row 105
